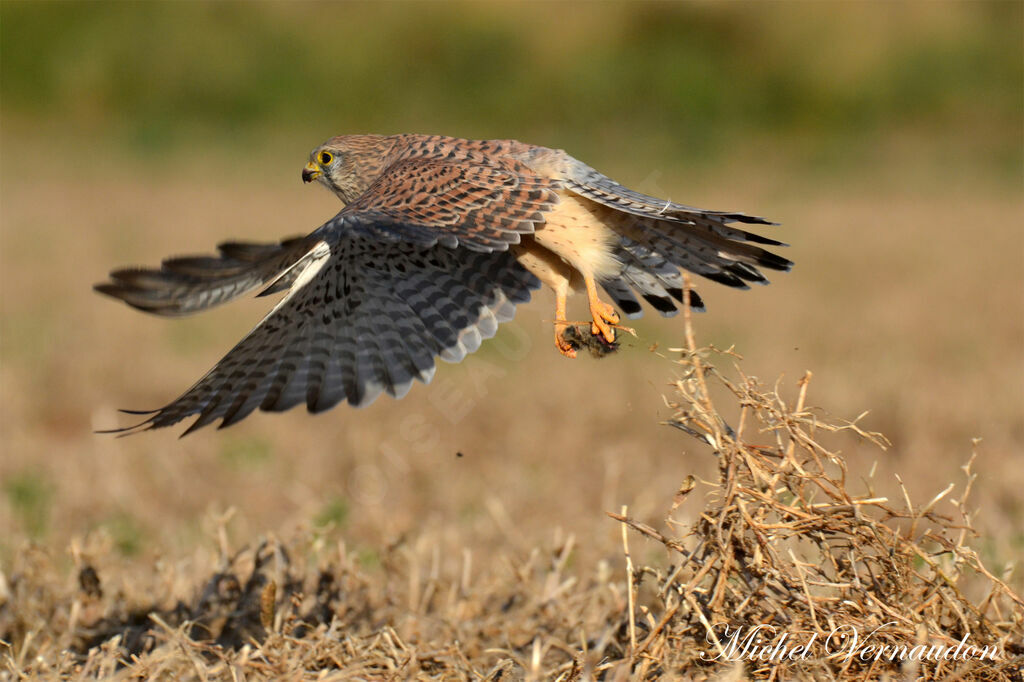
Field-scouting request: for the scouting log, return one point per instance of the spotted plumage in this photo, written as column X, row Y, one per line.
column 438, row 241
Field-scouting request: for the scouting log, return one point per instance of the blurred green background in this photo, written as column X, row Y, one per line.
column 823, row 85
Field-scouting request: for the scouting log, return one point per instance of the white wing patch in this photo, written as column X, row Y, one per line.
column 311, row 264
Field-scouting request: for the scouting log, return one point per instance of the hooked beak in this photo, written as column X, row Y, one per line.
column 310, row 172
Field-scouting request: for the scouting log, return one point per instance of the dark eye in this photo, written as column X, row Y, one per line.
column 326, row 158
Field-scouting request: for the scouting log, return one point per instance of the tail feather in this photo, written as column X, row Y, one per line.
column 623, row 296
column 652, row 276
column 658, row 237
column 189, row 284
column 700, row 251
column 737, row 250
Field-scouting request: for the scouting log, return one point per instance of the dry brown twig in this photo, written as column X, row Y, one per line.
column 783, row 542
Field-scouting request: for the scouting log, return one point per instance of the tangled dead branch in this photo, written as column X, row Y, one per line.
column 782, row 543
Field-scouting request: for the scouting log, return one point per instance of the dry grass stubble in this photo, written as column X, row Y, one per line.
column 780, row 540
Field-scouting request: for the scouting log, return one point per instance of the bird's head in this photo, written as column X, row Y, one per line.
column 347, row 165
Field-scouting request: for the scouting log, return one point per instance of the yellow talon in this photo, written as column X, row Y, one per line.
column 564, row 347
column 602, row 314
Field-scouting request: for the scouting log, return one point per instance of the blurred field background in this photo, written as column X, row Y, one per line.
column 887, row 138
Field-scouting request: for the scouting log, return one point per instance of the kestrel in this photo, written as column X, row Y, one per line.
column 438, row 240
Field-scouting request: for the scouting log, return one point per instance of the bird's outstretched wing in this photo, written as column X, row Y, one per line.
column 471, row 204
column 189, row 284
column 591, row 183
column 364, row 316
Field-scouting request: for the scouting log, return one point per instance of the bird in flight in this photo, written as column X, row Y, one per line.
column 438, row 240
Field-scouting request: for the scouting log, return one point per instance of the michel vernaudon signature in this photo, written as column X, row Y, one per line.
column 765, row 643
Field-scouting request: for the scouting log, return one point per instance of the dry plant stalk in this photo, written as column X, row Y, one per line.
column 782, row 542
